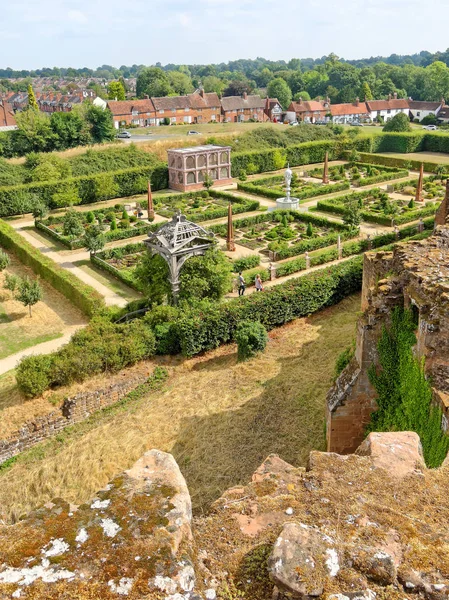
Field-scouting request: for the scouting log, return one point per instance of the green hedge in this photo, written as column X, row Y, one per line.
column 20, row 199
column 376, row 159
column 414, row 141
column 123, row 275
column 268, row 160
column 308, row 192
column 82, row 295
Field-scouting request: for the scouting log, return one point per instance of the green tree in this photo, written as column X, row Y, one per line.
column 94, row 240
column 116, row 91
column 278, row 88
column 4, row 260
column 441, row 172
column 301, row 95
column 152, row 273
column 105, row 187
column 11, row 282
column 208, row 276
column 101, row 124
column 153, row 81
column 66, row 197
column 72, row 225
column 213, row 84
column 399, row 122
column 180, row 83
column 40, row 210
column 365, row 92
column 208, row 181
column 34, row 133
column 29, row 292
column 32, row 102
column 70, row 129
column 251, row 338
column 352, row 215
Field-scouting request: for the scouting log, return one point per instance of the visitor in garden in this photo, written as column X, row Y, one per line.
column 258, row 283
column 242, row 285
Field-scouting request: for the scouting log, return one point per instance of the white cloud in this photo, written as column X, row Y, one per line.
column 76, row 16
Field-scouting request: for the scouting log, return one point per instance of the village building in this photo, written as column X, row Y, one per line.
column 350, row 112
column 237, row 109
column 443, row 115
column 273, row 110
column 135, row 112
column 7, row 119
column 187, row 167
column 190, row 109
column 387, row 109
column 308, row 111
column 420, row 109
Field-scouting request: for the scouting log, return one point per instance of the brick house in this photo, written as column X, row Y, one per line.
column 137, row 112
column 7, row 119
column 387, row 109
column 273, row 110
column 308, row 111
column 190, row 109
column 236, row 109
column 349, row 112
column 443, row 115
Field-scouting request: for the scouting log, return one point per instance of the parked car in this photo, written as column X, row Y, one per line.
column 356, row 124
column 192, row 132
column 123, row 134
column 294, row 123
column 430, row 127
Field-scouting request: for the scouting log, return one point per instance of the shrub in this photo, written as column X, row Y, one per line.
column 4, row 260
column 251, row 338
column 33, row 374
column 246, row 262
column 399, row 123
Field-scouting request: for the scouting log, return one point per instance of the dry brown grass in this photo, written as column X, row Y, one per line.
column 219, row 418
column 50, row 317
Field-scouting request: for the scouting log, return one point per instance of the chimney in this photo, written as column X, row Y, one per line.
column 389, row 96
column 357, row 100
column 146, row 97
column 202, row 92
column 245, row 96
column 300, row 100
column 395, row 95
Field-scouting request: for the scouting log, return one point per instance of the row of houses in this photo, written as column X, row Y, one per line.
column 367, row 111
column 199, row 107
column 48, row 102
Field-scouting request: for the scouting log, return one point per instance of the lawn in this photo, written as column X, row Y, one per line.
column 109, row 281
column 218, row 417
column 438, row 158
column 50, row 317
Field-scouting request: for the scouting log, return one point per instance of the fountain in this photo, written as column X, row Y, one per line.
column 289, row 202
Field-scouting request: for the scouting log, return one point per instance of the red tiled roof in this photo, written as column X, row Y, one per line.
column 394, row 103
column 420, row 105
column 205, row 100
column 126, row 107
column 307, row 106
column 355, row 108
column 239, row 102
column 7, row 118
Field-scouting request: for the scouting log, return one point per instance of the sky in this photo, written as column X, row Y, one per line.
column 90, row 33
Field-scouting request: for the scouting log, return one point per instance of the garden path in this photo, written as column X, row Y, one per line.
column 10, row 362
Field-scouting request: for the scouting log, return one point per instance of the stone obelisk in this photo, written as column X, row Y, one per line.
column 326, row 168
column 230, row 235
column 419, row 194
column 150, row 203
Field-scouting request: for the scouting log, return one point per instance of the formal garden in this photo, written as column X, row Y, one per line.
column 379, row 206
column 359, row 174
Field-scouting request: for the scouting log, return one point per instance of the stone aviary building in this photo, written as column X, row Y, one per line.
column 415, row 275
column 187, row 167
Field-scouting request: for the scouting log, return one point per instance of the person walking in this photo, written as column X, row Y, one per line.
column 258, row 283
column 242, row 284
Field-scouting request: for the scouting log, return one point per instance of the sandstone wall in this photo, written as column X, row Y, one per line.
column 72, row 411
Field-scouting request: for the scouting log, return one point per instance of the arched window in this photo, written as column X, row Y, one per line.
column 224, row 173
column 191, row 178
column 202, row 160
column 224, row 158
column 190, row 162
column 213, row 159
column 214, row 174
column 179, row 162
column 180, row 178
column 201, row 176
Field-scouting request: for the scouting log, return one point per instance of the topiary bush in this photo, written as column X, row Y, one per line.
column 251, row 338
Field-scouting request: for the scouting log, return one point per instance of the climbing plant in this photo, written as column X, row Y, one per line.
column 404, row 394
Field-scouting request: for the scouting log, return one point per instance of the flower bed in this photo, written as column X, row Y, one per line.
column 360, row 174
column 202, row 206
column 110, row 219
column 376, row 206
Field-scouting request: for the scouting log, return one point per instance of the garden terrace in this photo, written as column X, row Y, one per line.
column 378, row 206
column 121, row 262
column 360, row 174
column 272, row 187
column 287, row 233
column 202, row 205
column 118, row 222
